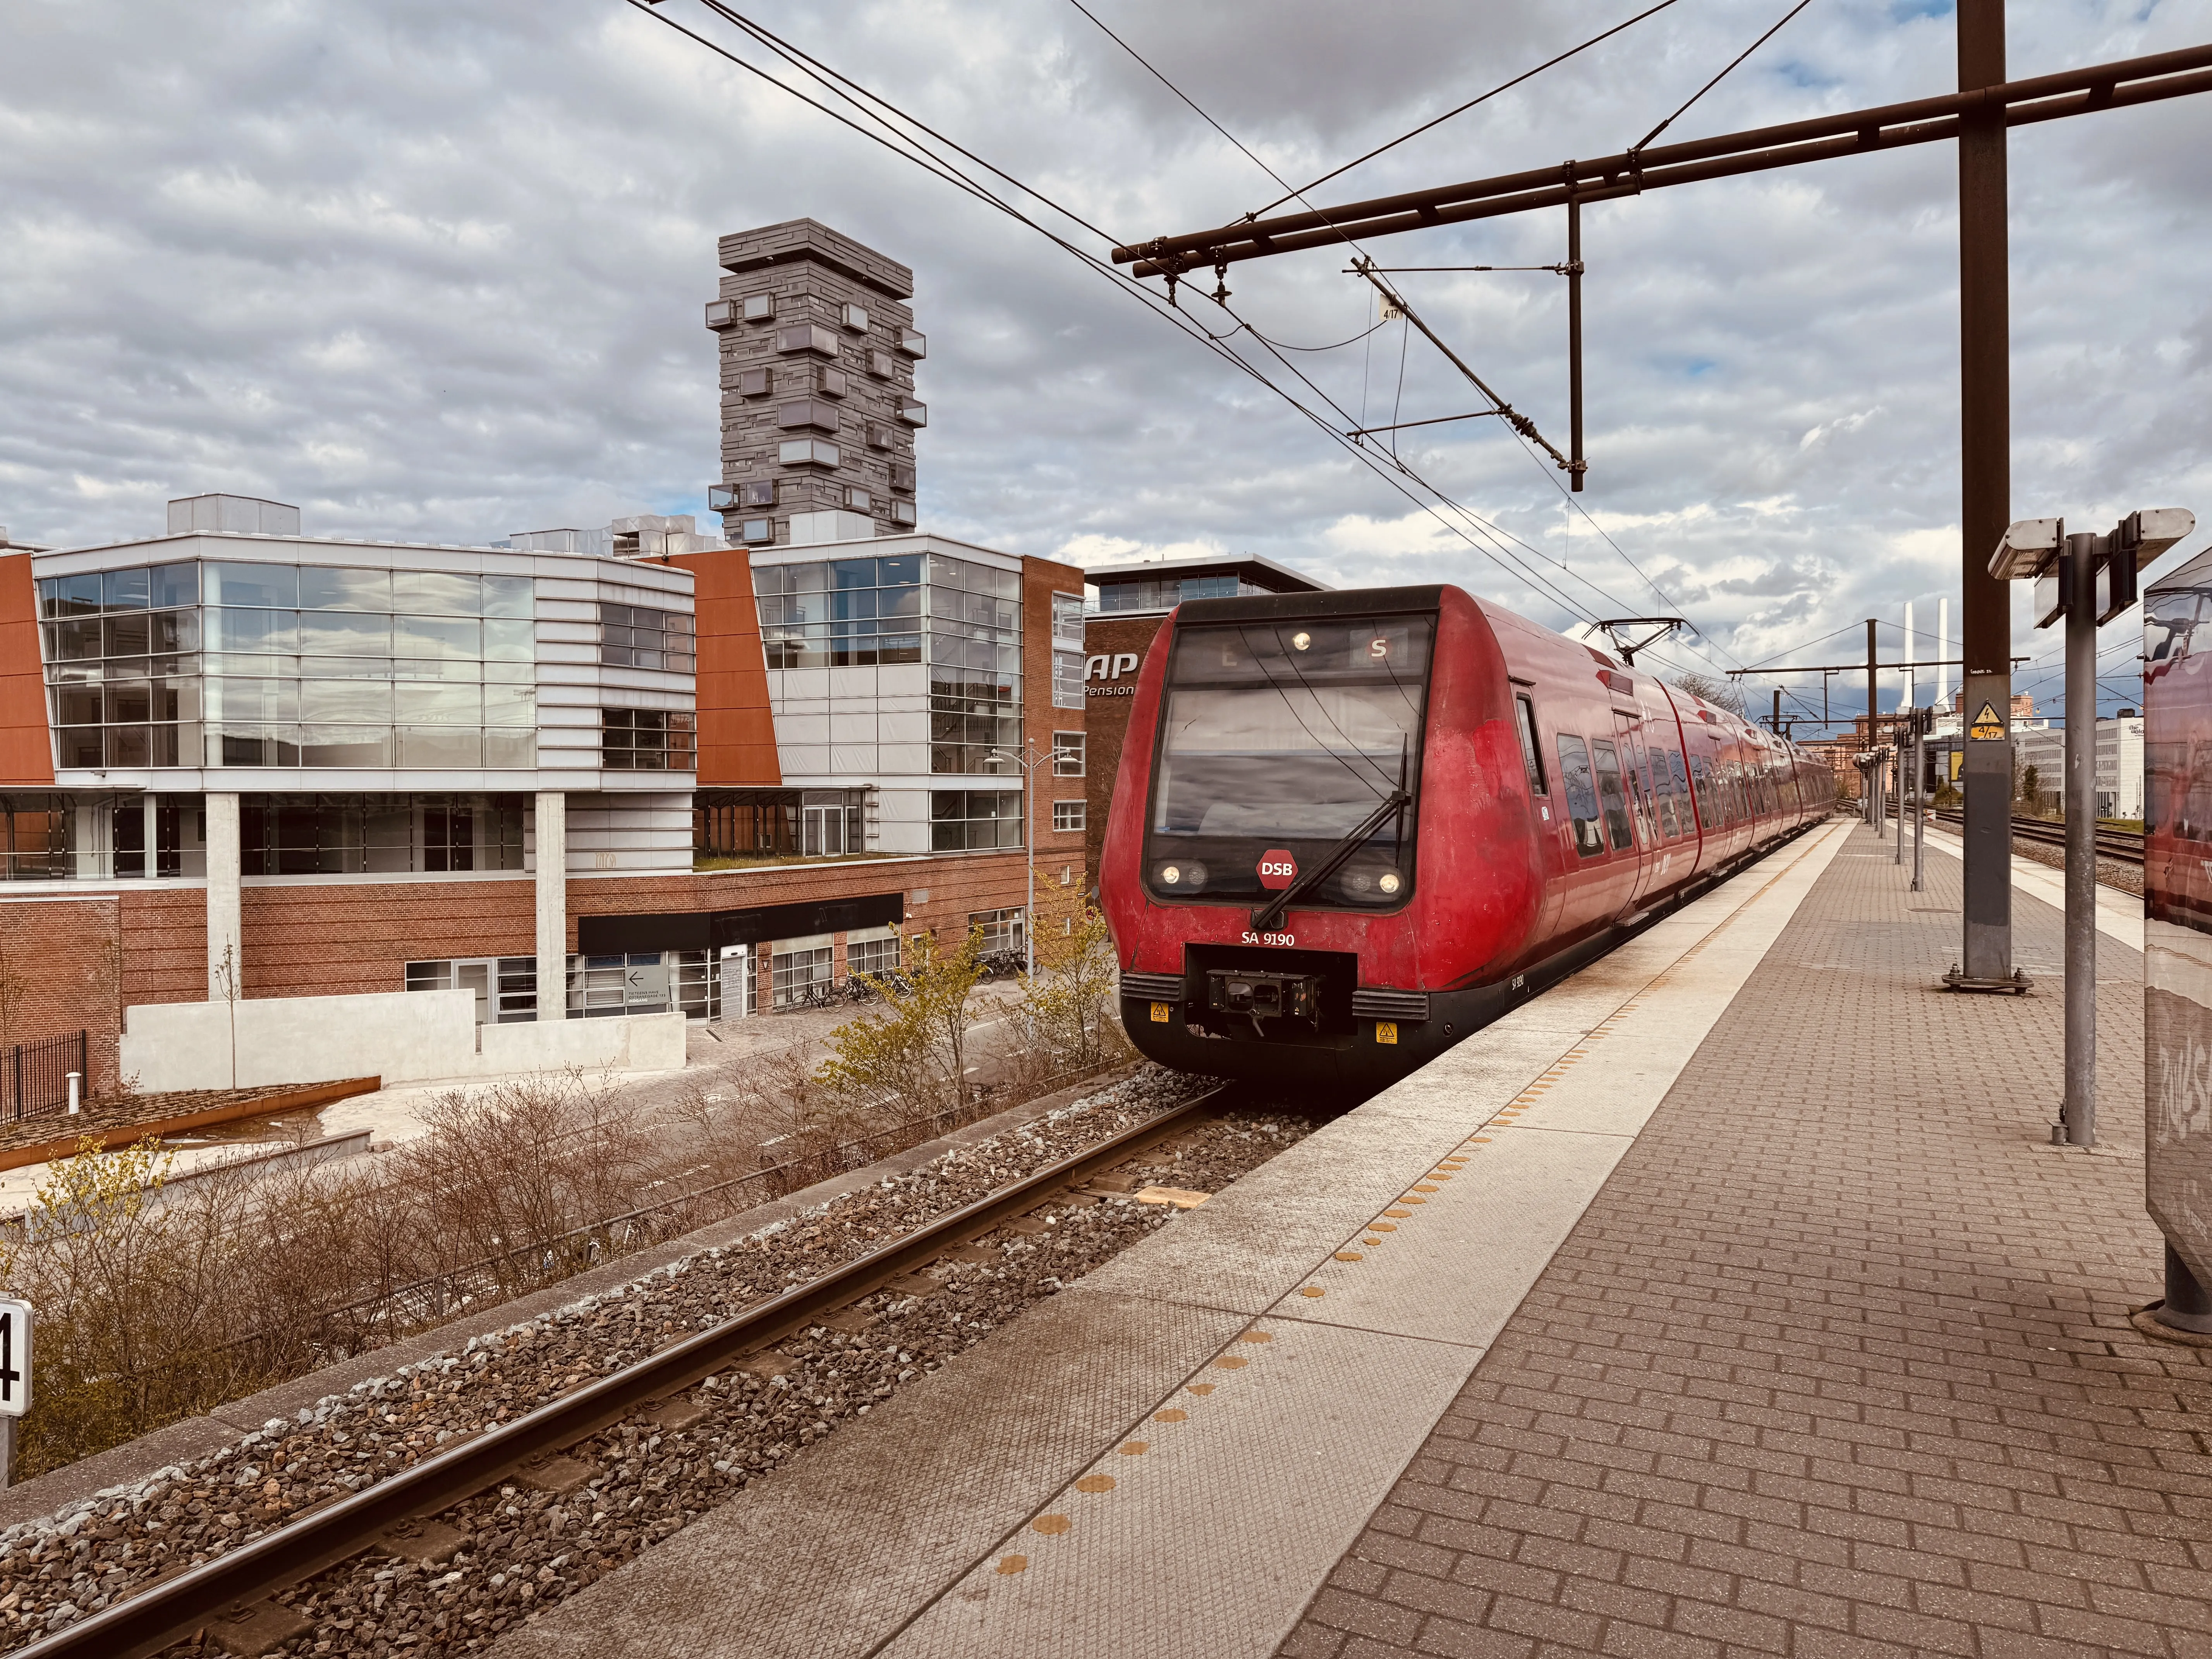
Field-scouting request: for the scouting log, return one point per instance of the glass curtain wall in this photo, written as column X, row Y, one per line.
column 231, row 663
column 962, row 618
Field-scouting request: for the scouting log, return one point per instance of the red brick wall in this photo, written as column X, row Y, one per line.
column 1058, row 852
column 58, row 975
column 958, row 884
column 1109, row 703
column 340, row 939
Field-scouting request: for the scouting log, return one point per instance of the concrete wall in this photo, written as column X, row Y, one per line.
column 401, row 1037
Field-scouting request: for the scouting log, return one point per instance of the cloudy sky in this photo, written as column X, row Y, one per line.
column 435, row 272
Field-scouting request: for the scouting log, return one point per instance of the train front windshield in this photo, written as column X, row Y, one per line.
column 1286, row 737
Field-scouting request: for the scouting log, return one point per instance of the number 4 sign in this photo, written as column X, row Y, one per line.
column 14, row 1357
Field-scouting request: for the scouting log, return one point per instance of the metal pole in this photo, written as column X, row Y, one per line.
column 1900, row 859
column 2077, row 1115
column 1919, row 798
column 8, row 1450
column 1575, row 466
column 1775, row 724
column 1028, row 916
column 1985, row 501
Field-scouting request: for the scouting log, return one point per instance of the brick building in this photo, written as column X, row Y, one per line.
column 647, row 769
column 1133, row 601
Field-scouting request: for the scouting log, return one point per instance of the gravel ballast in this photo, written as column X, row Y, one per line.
column 493, row 1558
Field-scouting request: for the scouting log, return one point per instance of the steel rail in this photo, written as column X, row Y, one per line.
column 170, row 1610
column 2125, row 845
column 2116, row 85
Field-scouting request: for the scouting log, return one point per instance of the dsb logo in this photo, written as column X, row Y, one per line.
column 1278, row 869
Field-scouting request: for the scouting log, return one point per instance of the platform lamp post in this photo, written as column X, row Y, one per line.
column 2083, row 581
column 1029, row 760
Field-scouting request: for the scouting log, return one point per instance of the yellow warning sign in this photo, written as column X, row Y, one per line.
column 1986, row 725
column 1958, row 762
column 1160, row 1016
column 1386, row 1030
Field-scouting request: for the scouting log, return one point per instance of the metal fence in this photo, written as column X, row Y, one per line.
column 34, row 1076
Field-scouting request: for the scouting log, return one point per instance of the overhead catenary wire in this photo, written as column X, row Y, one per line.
column 1523, row 428
column 1636, row 148
column 1462, row 109
column 904, row 144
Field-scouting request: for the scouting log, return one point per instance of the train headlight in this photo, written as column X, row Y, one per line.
column 1389, row 881
column 1301, row 639
column 1188, row 873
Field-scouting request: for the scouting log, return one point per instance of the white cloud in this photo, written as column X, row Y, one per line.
column 436, row 273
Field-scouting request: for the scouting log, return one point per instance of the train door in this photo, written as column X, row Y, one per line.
column 1556, row 853
column 1635, row 773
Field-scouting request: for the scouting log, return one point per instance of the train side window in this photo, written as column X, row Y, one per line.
column 1662, row 790
column 1682, row 790
column 1580, row 787
column 1701, row 792
column 1532, row 756
column 1610, row 795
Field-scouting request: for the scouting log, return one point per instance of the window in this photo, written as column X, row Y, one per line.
column 636, row 636
column 1067, row 678
column 830, row 382
column 1067, row 754
column 973, row 820
column 841, row 613
column 1001, row 930
column 796, row 970
column 806, row 336
column 1532, row 755
column 807, row 412
column 903, row 476
column 333, row 835
column 1663, row 792
column 913, row 413
column 1067, row 620
column 856, row 498
column 759, row 308
column 902, row 513
column 1070, row 814
column 756, row 532
column 854, row 317
column 218, row 664
column 880, row 364
column 806, row 452
column 643, row 982
column 912, row 344
column 872, row 953
column 756, row 382
column 648, row 740
column 1701, row 799
column 1611, row 796
column 505, row 987
column 1581, row 790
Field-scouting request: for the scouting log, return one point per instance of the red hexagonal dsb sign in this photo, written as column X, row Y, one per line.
column 1278, row 869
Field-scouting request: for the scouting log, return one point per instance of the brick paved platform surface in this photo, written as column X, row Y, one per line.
column 1837, row 1364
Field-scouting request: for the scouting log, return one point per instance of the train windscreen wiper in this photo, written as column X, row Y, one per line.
column 1269, row 914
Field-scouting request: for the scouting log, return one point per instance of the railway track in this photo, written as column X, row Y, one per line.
column 2125, row 845
column 232, row 1593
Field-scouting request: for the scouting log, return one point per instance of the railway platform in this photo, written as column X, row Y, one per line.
column 1728, row 1298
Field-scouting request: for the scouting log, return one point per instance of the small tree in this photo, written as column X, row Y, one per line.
column 1068, row 1004
column 2030, row 783
column 916, row 1048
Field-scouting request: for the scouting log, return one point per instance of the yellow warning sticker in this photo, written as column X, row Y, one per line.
column 1986, row 725
column 1958, row 762
column 1386, row 1030
column 1159, row 1013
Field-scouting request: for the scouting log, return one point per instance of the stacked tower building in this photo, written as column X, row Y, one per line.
column 818, row 348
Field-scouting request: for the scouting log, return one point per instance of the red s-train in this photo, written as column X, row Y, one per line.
column 1458, row 806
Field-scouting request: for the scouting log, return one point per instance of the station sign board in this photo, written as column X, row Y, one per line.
column 14, row 1357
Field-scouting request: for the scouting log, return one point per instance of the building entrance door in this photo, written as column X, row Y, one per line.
column 739, row 981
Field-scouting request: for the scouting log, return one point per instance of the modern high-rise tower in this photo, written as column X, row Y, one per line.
column 818, row 407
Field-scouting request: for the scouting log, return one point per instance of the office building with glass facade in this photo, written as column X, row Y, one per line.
column 236, row 758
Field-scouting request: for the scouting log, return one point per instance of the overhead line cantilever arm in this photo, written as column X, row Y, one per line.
column 1520, row 422
column 1890, row 126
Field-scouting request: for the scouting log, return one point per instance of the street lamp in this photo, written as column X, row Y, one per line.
column 1029, row 760
column 2083, row 581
